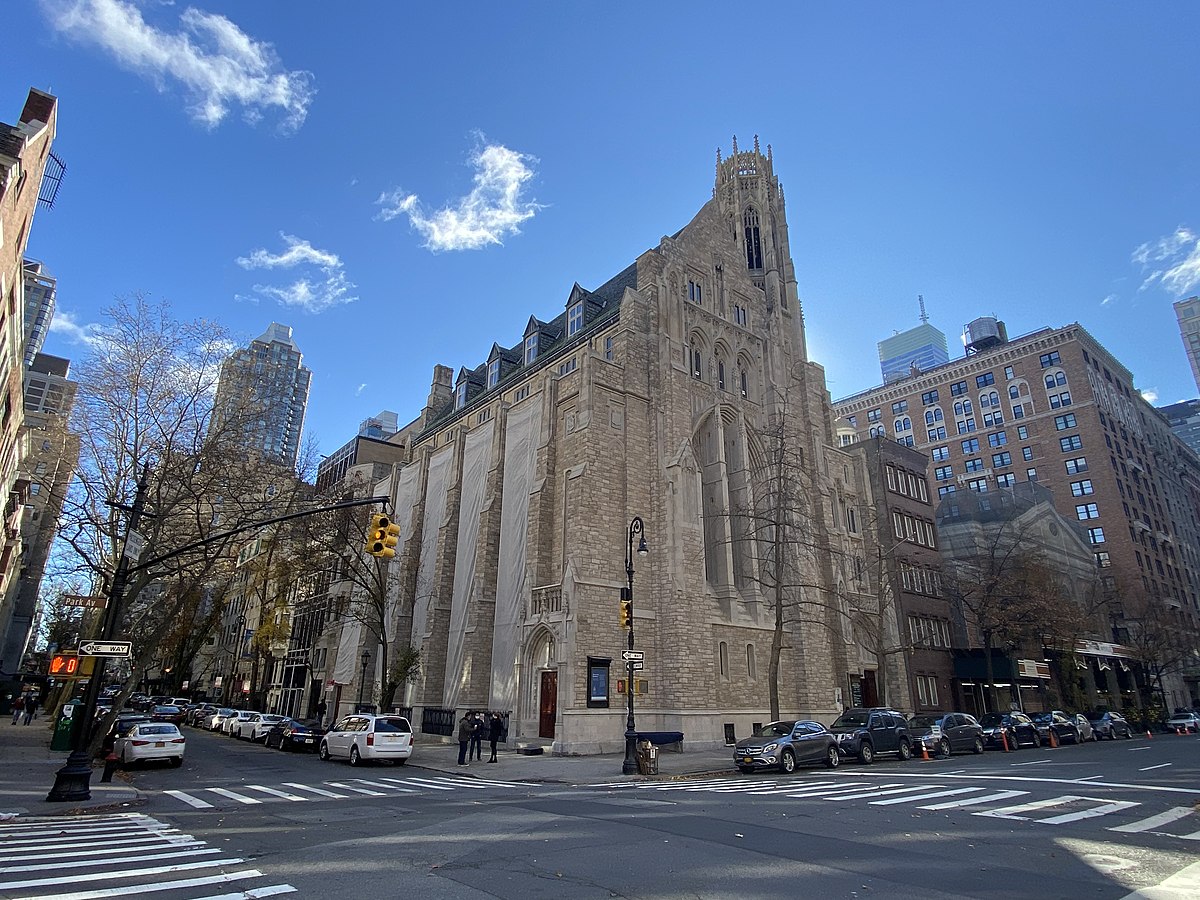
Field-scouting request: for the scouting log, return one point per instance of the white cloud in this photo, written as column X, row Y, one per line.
column 1150, row 395
column 217, row 63
column 362, row 387
column 1175, row 259
column 63, row 323
column 312, row 293
column 1109, row 300
column 492, row 210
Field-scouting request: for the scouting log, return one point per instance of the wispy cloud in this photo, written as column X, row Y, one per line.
column 1150, row 395
column 362, row 387
column 493, row 210
column 217, row 64
column 1109, row 300
column 64, row 323
column 311, row 293
column 1171, row 262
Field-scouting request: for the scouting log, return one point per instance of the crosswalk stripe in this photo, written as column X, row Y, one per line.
column 275, row 792
column 864, row 794
column 853, row 787
column 975, row 801
column 113, row 851
column 189, row 799
column 422, row 782
column 110, row 833
column 380, row 784
column 1017, row 812
column 255, row 893
column 398, row 785
column 315, row 790
column 125, row 873
column 80, row 863
column 234, row 795
column 1164, row 818
column 773, row 788
column 913, row 799
column 347, row 787
column 1094, row 812
column 50, row 843
column 223, row 878
column 472, row 783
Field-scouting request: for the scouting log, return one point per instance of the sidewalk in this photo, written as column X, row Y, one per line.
column 512, row 765
column 27, row 768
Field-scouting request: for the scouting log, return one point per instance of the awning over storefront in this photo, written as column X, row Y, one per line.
column 1103, row 648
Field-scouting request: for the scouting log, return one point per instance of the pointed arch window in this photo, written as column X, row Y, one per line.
column 697, row 361
column 721, row 373
column 753, row 239
column 745, row 382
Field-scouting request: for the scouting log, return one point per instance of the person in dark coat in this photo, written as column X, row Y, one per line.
column 465, row 726
column 321, row 710
column 495, row 729
column 478, row 727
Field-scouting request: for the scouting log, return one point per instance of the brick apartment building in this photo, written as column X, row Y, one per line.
column 1055, row 407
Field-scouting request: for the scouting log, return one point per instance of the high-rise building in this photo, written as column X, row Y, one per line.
column 262, row 396
column 915, row 350
column 1188, row 313
column 40, row 289
column 1184, row 419
column 28, row 173
column 1055, row 407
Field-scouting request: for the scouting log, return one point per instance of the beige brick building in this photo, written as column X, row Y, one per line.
column 649, row 396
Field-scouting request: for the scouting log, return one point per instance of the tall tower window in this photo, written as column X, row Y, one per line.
column 753, row 239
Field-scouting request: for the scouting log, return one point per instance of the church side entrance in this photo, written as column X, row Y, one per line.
column 548, row 705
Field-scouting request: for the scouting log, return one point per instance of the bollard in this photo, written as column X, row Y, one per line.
column 110, row 766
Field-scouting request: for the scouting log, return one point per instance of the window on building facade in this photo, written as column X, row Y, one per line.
column 958, row 388
column 984, row 380
column 1027, row 453
column 745, row 382
column 1006, row 480
column 753, row 239
column 1031, row 474
column 940, row 454
column 999, row 460
column 575, row 318
column 970, row 446
column 1070, row 442
column 1023, row 432
column 929, row 398
column 723, row 659
column 721, row 374
column 1057, row 401
column 493, row 377
column 697, row 362
column 946, row 489
column 1096, row 535
column 610, row 344
column 927, row 693
column 899, row 406
column 874, row 415
column 460, row 396
column 1062, row 423
column 520, row 393
column 944, row 473
column 1055, row 379
column 740, row 315
column 531, row 348
column 1050, row 359
column 999, row 439
column 1008, row 373
column 973, row 465
column 1018, row 410
column 1103, row 560
column 1077, row 465
column 569, row 366
column 937, row 434
column 751, row 662
column 1084, row 511
column 1082, row 488
column 978, row 485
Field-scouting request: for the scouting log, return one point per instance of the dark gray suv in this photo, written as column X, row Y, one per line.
column 785, row 745
column 866, row 732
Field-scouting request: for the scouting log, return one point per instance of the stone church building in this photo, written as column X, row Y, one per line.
column 669, row 393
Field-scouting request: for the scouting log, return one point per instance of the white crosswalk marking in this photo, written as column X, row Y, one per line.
column 113, row 862
column 382, row 786
column 911, row 798
column 852, row 787
column 234, row 795
column 319, row 791
column 1096, row 811
column 1018, row 812
column 864, row 794
column 1173, row 814
column 275, row 792
column 976, row 801
column 378, row 784
column 350, row 787
column 189, row 799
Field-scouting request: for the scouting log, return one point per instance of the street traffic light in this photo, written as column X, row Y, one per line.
column 382, row 537
column 626, row 613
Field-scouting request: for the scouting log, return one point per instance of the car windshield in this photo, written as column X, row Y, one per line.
column 305, row 724
column 924, row 721
column 168, row 710
column 226, row 712
column 392, row 725
column 774, row 729
column 991, row 720
column 851, row 720
column 157, row 729
column 271, row 719
column 1041, row 717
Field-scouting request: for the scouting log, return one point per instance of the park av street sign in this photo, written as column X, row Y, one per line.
column 119, row 649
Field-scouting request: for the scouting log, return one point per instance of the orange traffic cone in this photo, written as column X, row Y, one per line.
column 1053, row 738
column 1149, row 735
column 924, row 752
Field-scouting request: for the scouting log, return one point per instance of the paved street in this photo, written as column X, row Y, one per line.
column 1101, row 820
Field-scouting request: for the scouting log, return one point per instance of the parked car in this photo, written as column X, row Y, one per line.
column 181, row 702
column 122, row 723
column 233, row 724
column 1017, row 727
column 150, row 740
column 1188, row 721
column 943, row 732
column 216, row 719
column 867, row 732
column 172, row 714
column 1086, row 731
column 292, row 734
column 1110, row 725
column 362, row 737
column 785, row 745
column 1063, row 724
column 198, row 713
column 256, row 727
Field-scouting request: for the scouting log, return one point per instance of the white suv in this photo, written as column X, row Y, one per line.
column 361, row 737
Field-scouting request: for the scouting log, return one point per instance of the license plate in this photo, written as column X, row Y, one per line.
column 308, row 740
column 160, row 743
column 748, row 759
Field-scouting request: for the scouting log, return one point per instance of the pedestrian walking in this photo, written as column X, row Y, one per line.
column 31, row 706
column 321, row 710
column 477, row 728
column 465, row 727
column 18, row 708
column 495, row 729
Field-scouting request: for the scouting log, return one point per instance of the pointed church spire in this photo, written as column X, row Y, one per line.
column 757, row 152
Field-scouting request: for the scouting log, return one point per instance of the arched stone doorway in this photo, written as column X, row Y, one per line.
column 542, row 690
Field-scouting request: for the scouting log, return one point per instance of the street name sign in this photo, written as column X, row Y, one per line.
column 79, row 600
column 636, row 655
column 106, row 648
column 637, row 666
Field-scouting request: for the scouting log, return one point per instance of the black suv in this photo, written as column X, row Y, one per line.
column 866, row 732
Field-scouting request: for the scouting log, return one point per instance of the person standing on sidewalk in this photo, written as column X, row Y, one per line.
column 477, row 729
column 321, row 710
column 18, row 708
column 31, row 706
column 465, row 727
column 495, row 729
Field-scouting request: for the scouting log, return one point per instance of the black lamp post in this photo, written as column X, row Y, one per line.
column 636, row 529
column 362, row 681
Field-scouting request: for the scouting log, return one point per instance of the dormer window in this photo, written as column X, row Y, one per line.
column 493, row 377
column 531, row 348
column 575, row 319
column 460, row 396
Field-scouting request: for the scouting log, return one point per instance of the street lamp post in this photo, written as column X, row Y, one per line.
column 362, row 681
column 636, row 529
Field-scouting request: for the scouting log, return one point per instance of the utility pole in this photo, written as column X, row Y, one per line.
column 72, row 781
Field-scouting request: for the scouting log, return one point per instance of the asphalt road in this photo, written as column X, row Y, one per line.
column 1101, row 820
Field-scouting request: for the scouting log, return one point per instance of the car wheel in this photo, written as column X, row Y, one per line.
column 745, row 770
column 943, row 747
column 324, row 752
column 355, row 759
column 787, row 762
column 833, row 759
column 905, row 751
column 176, row 762
column 866, row 753
column 1037, row 740
column 977, row 747
column 1129, row 734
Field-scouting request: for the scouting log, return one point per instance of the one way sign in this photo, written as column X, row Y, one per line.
column 106, row 648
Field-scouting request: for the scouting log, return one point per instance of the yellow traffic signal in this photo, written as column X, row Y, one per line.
column 626, row 613
column 382, row 537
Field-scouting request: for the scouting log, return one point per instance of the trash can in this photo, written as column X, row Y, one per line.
column 69, row 719
column 647, row 758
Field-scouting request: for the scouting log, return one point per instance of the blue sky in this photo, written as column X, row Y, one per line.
column 405, row 184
